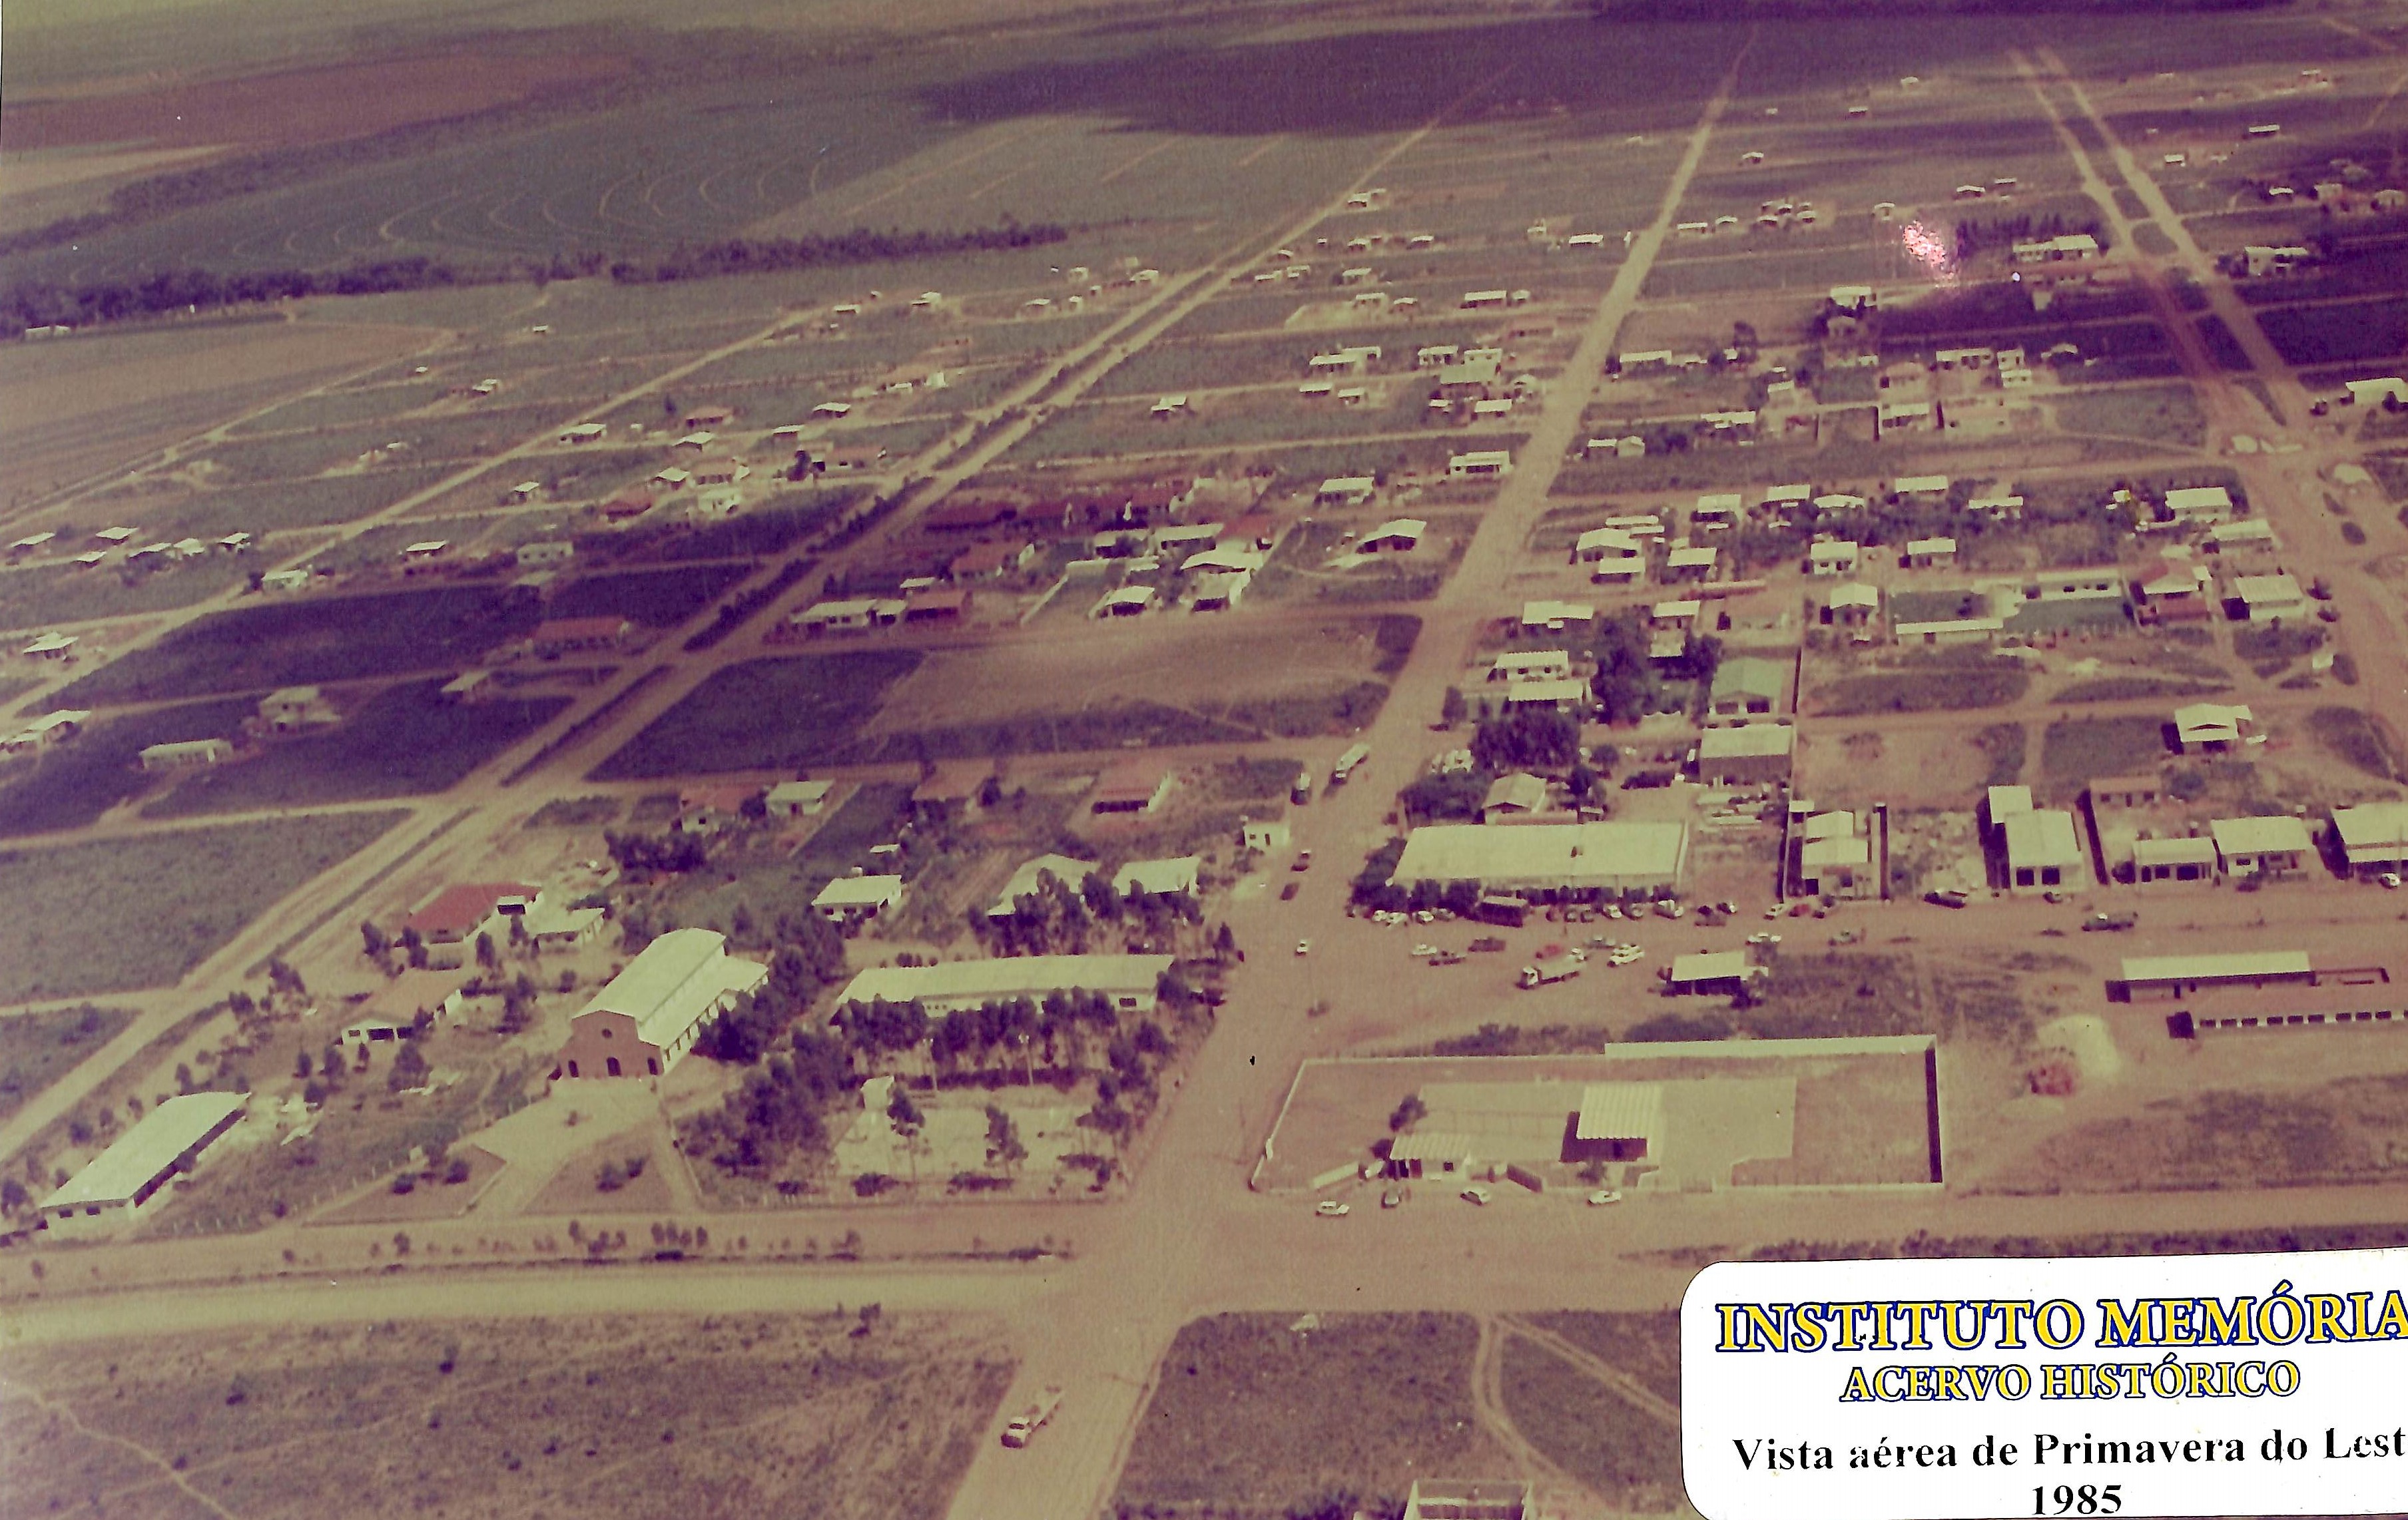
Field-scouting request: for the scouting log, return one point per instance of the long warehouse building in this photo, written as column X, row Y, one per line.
column 1547, row 858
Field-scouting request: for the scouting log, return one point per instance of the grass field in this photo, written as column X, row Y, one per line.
column 1646, row 1346
column 2074, row 750
column 1590, row 1430
column 34, row 600
column 2322, row 335
column 2126, row 688
column 2361, row 740
column 709, row 899
column 730, row 1415
column 2160, row 413
column 117, row 914
column 405, row 741
column 1947, row 686
column 775, row 713
column 70, row 786
column 38, row 1049
column 655, row 599
column 1251, row 1417
column 332, row 638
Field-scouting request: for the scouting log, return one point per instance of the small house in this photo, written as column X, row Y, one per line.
column 295, row 708
column 1746, row 687
column 2183, row 859
column 798, row 800
column 2212, row 727
column 2259, row 846
column 1746, row 755
column 1831, row 557
column 855, row 899
column 2043, row 850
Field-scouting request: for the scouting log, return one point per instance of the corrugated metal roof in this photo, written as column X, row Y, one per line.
column 1437, row 1146
column 1621, row 1111
column 148, row 1149
column 2211, row 968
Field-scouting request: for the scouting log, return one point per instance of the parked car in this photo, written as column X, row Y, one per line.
column 1304, row 947
column 2109, row 922
column 1303, row 861
column 1604, row 1196
column 1332, row 1209
column 1946, row 897
column 1391, row 1197
column 1287, row 892
column 1478, row 1195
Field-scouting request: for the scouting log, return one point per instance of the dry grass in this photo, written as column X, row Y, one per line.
column 736, row 1415
column 1251, row 1417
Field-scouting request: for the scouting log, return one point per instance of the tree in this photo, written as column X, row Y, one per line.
column 1408, row 1112
column 907, row 1121
column 1003, row 1140
column 303, row 1067
column 373, row 941
column 1450, row 709
column 409, row 1068
column 487, row 957
column 1529, row 741
column 413, row 947
column 610, row 1178
column 1583, row 782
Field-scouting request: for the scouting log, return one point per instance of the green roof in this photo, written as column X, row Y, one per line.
column 1751, row 677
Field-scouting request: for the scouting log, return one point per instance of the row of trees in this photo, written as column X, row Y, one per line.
column 768, row 255
column 1060, row 919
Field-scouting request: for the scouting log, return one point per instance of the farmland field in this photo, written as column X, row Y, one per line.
column 406, row 740
column 117, row 914
column 70, row 786
column 38, row 1049
column 320, row 639
column 38, row 598
column 2074, row 750
column 728, row 1417
column 773, row 712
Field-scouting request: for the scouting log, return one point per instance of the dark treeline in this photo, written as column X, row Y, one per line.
column 39, row 304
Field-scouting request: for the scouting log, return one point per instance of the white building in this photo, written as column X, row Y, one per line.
column 2043, row 850
column 1025, row 881
column 120, row 1184
column 2249, row 846
column 2374, row 837
column 2199, row 504
column 2271, row 598
column 1831, row 557
column 1479, row 463
column 647, row 1018
column 1173, row 877
column 190, row 752
column 1129, row 980
column 798, row 800
column 1616, row 857
column 856, row 900
column 2212, row 727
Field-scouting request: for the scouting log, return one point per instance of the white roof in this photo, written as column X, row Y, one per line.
column 1855, row 594
column 2373, row 826
column 2009, row 801
column 1532, row 659
column 1567, row 688
column 1832, row 549
column 1535, row 613
column 1005, row 977
column 1931, row 546
column 1847, row 850
column 2248, row 530
column 63, row 718
column 2257, row 836
column 677, row 980
column 1063, row 869
column 1912, row 484
column 2043, row 837
column 1620, row 1110
column 1223, row 558
column 800, row 791
column 1755, row 738
column 1344, row 484
column 51, row 643
column 1131, row 597
column 1681, row 559
column 426, row 546
column 1789, row 492
column 1483, row 456
column 1176, row 874
column 2250, row 963
column 860, row 892
column 2197, row 497
column 2184, row 851
column 1666, row 611
column 33, row 540
column 154, row 1143
column 1398, row 527
column 1600, row 854
column 1830, row 825
column 2205, row 717
column 1606, row 538
column 1710, row 966
column 1431, row 1145
column 2272, row 589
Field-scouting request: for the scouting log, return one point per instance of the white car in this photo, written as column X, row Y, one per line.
column 1604, row 1196
column 1425, row 949
column 1625, row 955
column 1332, row 1209
column 2390, row 881
column 1478, row 1195
column 1766, row 938
column 1304, row 947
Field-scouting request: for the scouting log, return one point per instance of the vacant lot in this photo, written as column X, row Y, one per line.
column 336, row 638
column 1251, row 1417
column 40, row 598
column 2160, row 413
column 407, row 740
column 117, row 914
column 38, row 1049
column 778, row 713
column 2074, row 750
column 1926, row 686
column 2361, row 740
column 655, row 599
column 672, row 1416
column 1624, row 1453
column 70, row 786
column 2322, row 335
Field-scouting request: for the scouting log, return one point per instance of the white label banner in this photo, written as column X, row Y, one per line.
column 2152, row 1385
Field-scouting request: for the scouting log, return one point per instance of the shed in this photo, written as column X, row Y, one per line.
column 1617, row 1121
column 2255, row 846
column 1709, row 973
column 2043, row 850
column 1745, row 756
column 116, row 1187
column 855, row 899
column 2183, row 858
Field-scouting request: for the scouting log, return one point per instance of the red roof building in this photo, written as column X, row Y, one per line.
column 1132, row 786
column 460, row 911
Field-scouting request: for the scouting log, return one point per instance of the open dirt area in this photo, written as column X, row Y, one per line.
column 70, row 406
column 1846, row 1113
column 737, row 1416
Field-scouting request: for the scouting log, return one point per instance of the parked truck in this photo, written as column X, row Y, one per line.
column 1553, row 964
column 1347, row 761
column 1301, row 792
column 1025, row 1424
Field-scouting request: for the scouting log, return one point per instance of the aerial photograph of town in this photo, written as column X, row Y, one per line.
column 667, row 671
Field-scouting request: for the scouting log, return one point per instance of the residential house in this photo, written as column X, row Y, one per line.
column 798, row 800
column 950, row 792
column 1029, row 880
column 2271, row 598
column 2199, row 504
column 2125, row 791
column 855, row 899
column 1612, row 555
column 1514, row 798
column 2262, row 846
column 1402, row 534
column 2183, row 859
column 1479, row 463
column 707, row 810
column 1175, row 877
column 398, row 1009
column 1530, row 665
column 1930, row 553
column 1690, row 565
column 1831, row 557
column 991, row 560
column 296, row 708
column 182, row 753
column 2043, row 850
column 1746, row 687
column 2374, row 837
column 579, row 635
column 2212, row 727
column 1746, row 755
column 449, row 924
column 1133, row 786
column 1835, row 857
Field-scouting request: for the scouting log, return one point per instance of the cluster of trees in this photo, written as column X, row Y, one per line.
column 1545, row 741
column 44, row 304
column 765, row 256
column 780, row 1110
column 673, row 853
column 1061, row 1036
column 810, row 956
column 1060, row 919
